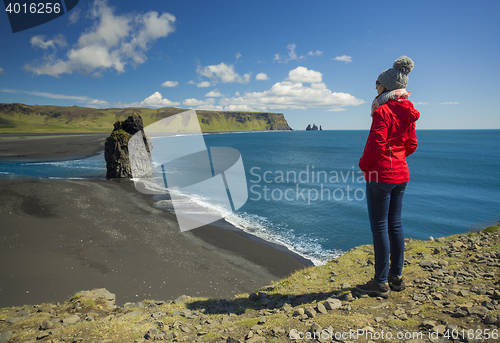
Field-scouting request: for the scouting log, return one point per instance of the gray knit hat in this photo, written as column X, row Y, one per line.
column 397, row 76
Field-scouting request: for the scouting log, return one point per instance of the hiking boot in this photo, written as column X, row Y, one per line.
column 374, row 289
column 396, row 283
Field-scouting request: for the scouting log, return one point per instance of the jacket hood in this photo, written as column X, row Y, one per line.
column 404, row 109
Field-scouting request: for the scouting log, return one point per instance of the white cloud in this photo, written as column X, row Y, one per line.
column 421, row 103
column 315, row 53
column 113, row 42
column 60, row 96
column 261, row 77
column 336, row 109
column 292, row 55
column 154, row 100
column 449, row 103
column 82, row 99
column 97, row 103
column 1, row 71
column 192, row 102
column 302, row 74
column 223, row 73
column 203, row 84
column 210, row 107
column 40, row 42
column 238, row 108
column 238, row 55
column 170, row 84
column 343, row 58
column 75, row 16
column 214, row 94
column 291, row 93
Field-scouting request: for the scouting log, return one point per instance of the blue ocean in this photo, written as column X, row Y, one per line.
column 306, row 192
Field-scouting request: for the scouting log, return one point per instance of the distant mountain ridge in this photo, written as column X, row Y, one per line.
column 20, row 118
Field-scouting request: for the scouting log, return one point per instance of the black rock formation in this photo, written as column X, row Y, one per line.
column 313, row 128
column 116, row 150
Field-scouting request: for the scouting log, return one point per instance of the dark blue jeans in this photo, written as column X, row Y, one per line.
column 385, row 204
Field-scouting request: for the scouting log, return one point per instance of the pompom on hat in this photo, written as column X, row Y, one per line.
column 397, row 76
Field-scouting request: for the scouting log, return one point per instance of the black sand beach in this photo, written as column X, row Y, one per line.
column 50, row 147
column 58, row 237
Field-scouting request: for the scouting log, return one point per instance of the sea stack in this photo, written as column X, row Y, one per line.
column 116, row 150
column 313, row 128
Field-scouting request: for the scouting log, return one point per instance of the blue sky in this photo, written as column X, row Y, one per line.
column 314, row 61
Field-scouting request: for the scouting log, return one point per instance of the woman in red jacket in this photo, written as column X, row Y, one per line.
column 391, row 139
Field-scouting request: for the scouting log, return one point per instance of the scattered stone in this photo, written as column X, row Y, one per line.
column 440, row 329
column 429, row 264
column 287, row 307
column 249, row 335
column 459, row 314
column 490, row 320
column 332, row 304
column 321, row 308
column 158, row 315
column 463, row 293
column 443, row 263
column 181, row 299
column 347, row 297
column 71, row 319
column 185, row 329
column 5, row 336
column 46, row 325
column 310, row 312
column 429, row 324
column 298, row 312
column 278, row 331
column 401, row 314
column 14, row 320
column 479, row 311
column 316, row 329
column 99, row 294
column 419, row 297
column 130, row 305
column 151, row 334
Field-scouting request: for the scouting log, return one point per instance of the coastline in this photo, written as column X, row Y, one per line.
column 62, row 236
column 50, row 147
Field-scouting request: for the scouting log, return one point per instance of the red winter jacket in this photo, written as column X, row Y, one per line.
column 391, row 139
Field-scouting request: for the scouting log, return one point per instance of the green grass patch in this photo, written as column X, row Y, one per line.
column 491, row 229
column 89, row 303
